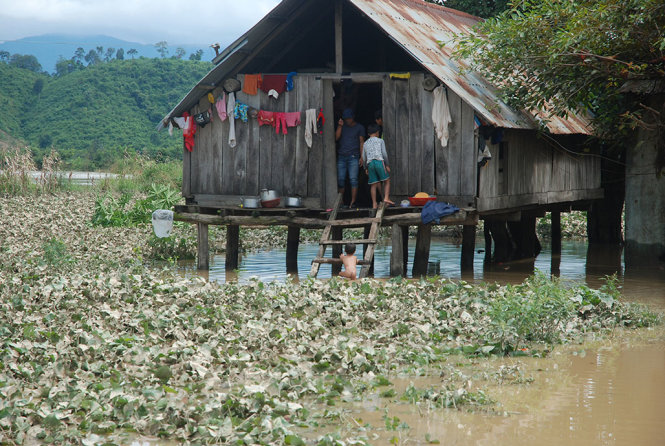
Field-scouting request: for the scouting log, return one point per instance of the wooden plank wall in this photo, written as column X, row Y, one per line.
column 535, row 172
column 261, row 158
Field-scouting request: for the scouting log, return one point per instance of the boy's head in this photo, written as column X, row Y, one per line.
column 349, row 248
column 378, row 117
column 373, row 130
column 347, row 116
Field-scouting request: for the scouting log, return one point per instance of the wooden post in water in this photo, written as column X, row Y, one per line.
column 556, row 232
column 336, row 249
column 488, row 243
column 421, row 257
column 292, row 243
column 232, row 247
column 397, row 267
column 405, row 248
column 468, row 247
column 203, row 250
column 368, row 228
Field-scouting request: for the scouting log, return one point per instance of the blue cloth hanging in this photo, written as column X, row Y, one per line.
column 434, row 210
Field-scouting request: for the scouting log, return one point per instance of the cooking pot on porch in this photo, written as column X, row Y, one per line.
column 293, row 202
column 269, row 195
column 250, row 202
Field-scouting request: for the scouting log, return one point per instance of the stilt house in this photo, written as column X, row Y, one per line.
column 346, row 54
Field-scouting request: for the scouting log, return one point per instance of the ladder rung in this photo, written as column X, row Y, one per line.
column 331, row 261
column 362, row 241
column 353, row 222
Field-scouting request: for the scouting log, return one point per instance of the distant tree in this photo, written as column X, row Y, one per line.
column 79, row 55
column 26, row 61
column 38, row 86
column 480, row 8
column 65, row 66
column 180, row 53
column 120, row 54
column 132, row 52
column 110, row 52
column 196, row 56
column 100, row 51
column 162, row 48
column 92, row 58
column 4, row 56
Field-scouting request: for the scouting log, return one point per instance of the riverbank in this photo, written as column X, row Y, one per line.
column 96, row 341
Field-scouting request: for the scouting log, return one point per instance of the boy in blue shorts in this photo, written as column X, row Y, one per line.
column 375, row 160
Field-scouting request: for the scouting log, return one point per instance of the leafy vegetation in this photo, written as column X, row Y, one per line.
column 93, row 116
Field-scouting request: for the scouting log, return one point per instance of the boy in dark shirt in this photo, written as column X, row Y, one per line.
column 351, row 137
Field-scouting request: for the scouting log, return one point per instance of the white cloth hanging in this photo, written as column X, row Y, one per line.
column 180, row 122
column 310, row 125
column 230, row 107
column 170, row 128
column 441, row 114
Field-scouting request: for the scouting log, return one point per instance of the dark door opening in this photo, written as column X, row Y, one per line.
column 365, row 99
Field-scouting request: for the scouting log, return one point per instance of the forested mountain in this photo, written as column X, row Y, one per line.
column 93, row 114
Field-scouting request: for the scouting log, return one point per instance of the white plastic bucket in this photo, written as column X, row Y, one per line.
column 162, row 222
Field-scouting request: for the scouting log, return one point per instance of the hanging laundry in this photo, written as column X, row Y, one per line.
column 320, row 121
column 189, row 131
column 266, row 118
column 180, row 122
column 220, row 105
column 170, row 128
column 230, row 111
column 275, row 82
column 289, row 80
column 251, row 84
column 240, row 111
column 441, row 114
column 310, row 125
column 284, row 120
column 402, row 76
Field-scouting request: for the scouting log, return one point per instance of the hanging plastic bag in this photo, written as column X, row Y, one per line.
column 162, row 222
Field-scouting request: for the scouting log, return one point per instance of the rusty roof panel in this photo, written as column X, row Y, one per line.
column 418, row 27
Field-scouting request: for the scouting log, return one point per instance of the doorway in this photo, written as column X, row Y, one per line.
column 365, row 99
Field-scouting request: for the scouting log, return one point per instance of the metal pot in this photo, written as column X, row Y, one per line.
column 293, row 202
column 268, row 195
column 250, row 202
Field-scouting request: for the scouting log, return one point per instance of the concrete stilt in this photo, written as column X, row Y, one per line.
column 556, row 232
column 232, row 247
column 397, row 267
column 468, row 247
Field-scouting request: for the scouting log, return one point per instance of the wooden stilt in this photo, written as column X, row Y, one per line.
column 232, row 247
column 405, row 248
column 421, row 257
column 336, row 249
column 468, row 247
column 203, row 250
column 488, row 244
column 556, row 232
column 366, row 235
column 397, row 267
column 292, row 243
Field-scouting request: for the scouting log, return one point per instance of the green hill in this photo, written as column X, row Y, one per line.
column 93, row 115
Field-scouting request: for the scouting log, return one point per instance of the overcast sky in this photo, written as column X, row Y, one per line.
column 144, row 21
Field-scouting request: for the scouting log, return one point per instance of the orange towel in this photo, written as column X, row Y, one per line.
column 251, row 84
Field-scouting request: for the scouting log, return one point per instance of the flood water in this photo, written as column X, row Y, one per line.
column 609, row 392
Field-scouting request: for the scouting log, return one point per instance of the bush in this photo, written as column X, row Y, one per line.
column 110, row 211
column 55, row 252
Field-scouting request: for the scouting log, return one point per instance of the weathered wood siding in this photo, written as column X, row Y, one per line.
column 418, row 161
column 261, row 158
column 533, row 171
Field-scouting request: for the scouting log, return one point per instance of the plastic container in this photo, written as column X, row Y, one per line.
column 420, row 201
column 162, row 222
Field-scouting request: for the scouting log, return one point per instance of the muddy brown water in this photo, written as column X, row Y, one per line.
column 609, row 392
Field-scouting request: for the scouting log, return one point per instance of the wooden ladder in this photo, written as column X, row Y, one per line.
column 370, row 241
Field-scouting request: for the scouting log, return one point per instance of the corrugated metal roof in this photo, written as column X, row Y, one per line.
column 418, row 27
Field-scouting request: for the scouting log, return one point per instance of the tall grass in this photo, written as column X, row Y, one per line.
column 138, row 173
column 16, row 172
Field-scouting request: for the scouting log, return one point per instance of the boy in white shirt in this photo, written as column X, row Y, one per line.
column 375, row 160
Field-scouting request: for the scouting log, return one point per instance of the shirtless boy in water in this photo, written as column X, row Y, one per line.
column 350, row 261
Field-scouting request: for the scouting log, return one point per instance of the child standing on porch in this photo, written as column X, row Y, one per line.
column 375, row 160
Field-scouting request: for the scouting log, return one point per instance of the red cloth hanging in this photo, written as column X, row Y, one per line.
column 189, row 131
